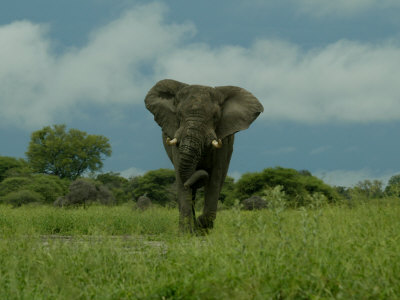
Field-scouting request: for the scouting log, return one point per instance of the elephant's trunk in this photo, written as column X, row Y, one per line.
column 190, row 151
column 187, row 166
column 197, row 179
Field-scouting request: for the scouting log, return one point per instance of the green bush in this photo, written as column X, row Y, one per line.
column 298, row 186
column 393, row 186
column 22, row 197
column 48, row 186
column 254, row 203
column 85, row 191
column 157, row 185
column 120, row 187
column 13, row 184
column 10, row 166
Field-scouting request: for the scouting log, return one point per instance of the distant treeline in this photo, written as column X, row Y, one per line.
column 57, row 160
column 20, row 185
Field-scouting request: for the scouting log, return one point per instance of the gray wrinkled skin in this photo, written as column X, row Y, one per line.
column 196, row 116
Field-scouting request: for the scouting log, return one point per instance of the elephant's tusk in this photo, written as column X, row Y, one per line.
column 217, row 144
column 171, row 142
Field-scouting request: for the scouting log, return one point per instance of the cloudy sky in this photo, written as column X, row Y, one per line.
column 327, row 73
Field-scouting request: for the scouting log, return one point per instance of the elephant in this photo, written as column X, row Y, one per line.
column 198, row 125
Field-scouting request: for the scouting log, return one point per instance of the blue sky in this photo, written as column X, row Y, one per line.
column 327, row 73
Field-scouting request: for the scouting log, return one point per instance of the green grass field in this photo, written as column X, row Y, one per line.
column 119, row 253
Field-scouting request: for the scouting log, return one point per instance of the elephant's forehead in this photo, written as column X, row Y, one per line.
column 196, row 92
column 196, row 103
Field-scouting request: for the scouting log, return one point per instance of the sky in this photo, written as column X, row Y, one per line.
column 327, row 73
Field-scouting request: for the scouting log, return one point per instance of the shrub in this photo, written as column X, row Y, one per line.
column 393, row 186
column 156, row 185
column 49, row 186
column 369, row 189
column 119, row 186
column 13, row 184
column 253, row 203
column 143, row 203
column 298, row 186
column 86, row 191
column 105, row 196
column 22, row 197
column 10, row 166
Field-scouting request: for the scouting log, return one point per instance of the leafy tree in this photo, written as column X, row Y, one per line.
column 343, row 191
column 120, row 187
column 156, row 185
column 143, row 203
column 393, row 186
column 298, row 186
column 18, row 198
column 47, row 186
column 369, row 189
column 53, row 150
column 10, row 166
column 13, row 184
column 254, row 203
column 112, row 180
column 84, row 191
column 50, row 187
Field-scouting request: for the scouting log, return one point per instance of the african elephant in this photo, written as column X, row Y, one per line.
column 198, row 126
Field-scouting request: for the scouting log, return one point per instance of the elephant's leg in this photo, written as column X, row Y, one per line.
column 220, row 164
column 186, row 208
column 211, row 195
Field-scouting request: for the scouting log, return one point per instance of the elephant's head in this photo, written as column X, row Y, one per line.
column 196, row 118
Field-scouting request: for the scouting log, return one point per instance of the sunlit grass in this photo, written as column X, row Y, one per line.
column 120, row 253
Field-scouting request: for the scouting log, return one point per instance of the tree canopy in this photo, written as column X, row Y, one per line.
column 10, row 165
column 66, row 154
column 157, row 185
column 298, row 185
column 393, row 186
column 47, row 186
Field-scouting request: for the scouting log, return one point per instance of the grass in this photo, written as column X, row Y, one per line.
column 118, row 253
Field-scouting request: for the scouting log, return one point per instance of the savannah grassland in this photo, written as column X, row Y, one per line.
column 338, row 252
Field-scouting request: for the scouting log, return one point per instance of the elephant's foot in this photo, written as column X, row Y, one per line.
column 205, row 222
column 187, row 224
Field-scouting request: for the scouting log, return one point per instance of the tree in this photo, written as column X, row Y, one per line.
column 298, row 186
column 53, row 150
column 85, row 191
column 49, row 187
column 119, row 186
column 370, row 189
column 393, row 186
column 10, row 166
column 156, row 185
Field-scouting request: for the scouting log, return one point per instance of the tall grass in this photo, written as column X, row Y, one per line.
column 117, row 253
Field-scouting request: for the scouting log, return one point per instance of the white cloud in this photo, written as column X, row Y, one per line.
column 350, row 178
column 345, row 81
column 320, row 150
column 37, row 85
column 235, row 175
column 326, row 8
column 132, row 172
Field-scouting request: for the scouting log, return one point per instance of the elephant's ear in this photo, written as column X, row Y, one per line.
column 239, row 109
column 160, row 102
